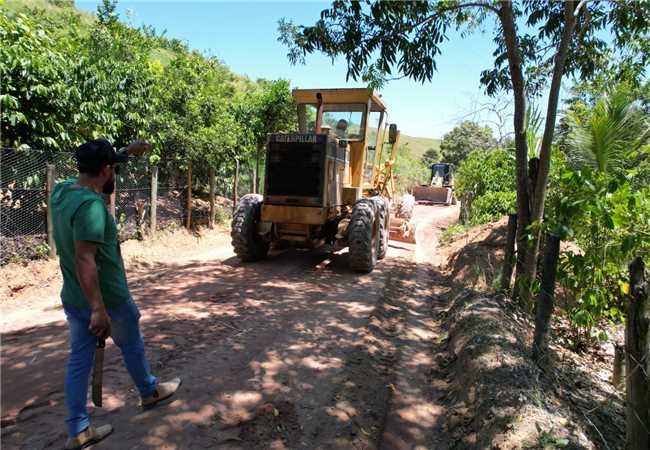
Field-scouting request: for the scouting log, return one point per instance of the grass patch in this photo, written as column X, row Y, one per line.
column 452, row 232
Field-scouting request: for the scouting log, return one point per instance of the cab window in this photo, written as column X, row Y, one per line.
column 345, row 121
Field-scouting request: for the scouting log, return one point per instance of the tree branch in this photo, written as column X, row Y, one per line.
column 441, row 11
column 577, row 10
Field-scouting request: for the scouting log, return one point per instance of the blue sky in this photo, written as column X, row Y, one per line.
column 244, row 36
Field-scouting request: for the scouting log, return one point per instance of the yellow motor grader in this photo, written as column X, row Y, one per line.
column 330, row 183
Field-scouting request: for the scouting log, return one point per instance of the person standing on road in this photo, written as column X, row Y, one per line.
column 95, row 294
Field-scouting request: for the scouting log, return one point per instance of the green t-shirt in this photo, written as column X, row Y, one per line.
column 80, row 214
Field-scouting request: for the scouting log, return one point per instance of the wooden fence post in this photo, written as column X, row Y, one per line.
column 212, row 193
column 618, row 371
column 153, row 220
column 253, row 177
column 637, row 356
column 111, row 200
column 188, row 223
column 508, row 259
column 544, row 307
column 235, row 185
column 256, row 171
column 51, row 175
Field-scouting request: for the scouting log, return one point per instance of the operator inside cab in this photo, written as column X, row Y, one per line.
column 342, row 129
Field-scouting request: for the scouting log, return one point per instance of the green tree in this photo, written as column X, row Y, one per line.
column 535, row 42
column 113, row 74
column 431, row 156
column 68, row 77
column 37, row 96
column 272, row 110
column 465, row 138
column 611, row 135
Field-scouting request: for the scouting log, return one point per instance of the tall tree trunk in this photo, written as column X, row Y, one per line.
column 509, row 254
column 546, row 300
column 507, row 19
column 529, row 268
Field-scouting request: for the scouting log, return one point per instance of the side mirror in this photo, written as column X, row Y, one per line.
column 392, row 133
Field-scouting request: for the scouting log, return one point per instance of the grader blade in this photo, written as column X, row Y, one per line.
column 402, row 230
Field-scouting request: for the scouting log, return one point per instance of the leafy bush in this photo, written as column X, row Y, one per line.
column 36, row 95
column 482, row 173
column 609, row 220
column 492, row 206
column 601, row 203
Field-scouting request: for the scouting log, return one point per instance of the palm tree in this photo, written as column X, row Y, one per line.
column 611, row 136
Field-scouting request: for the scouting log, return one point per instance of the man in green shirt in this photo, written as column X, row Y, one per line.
column 95, row 293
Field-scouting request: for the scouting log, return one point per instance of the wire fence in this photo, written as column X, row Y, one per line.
column 24, row 197
column 23, row 209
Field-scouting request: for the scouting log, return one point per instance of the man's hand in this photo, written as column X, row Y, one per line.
column 138, row 148
column 100, row 323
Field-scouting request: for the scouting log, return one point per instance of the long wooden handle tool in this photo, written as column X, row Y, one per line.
column 98, row 372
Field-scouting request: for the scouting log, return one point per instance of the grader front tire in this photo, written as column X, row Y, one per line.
column 247, row 243
column 363, row 236
column 383, row 217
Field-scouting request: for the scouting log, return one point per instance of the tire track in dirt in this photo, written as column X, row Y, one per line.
column 354, row 413
column 415, row 412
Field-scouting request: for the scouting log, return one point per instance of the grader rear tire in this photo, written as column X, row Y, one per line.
column 247, row 243
column 363, row 236
column 383, row 217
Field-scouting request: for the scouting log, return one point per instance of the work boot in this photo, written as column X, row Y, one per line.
column 88, row 437
column 163, row 391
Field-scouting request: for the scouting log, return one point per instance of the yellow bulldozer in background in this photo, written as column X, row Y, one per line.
column 440, row 189
column 330, row 183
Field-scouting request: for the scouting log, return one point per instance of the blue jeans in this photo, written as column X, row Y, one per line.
column 126, row 335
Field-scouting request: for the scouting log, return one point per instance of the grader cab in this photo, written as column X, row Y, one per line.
column 330, row 183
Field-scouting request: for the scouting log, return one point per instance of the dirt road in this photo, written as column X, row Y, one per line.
column 293, row 352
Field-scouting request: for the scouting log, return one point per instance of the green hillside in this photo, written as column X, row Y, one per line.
column 47, row 7
column 418, row 145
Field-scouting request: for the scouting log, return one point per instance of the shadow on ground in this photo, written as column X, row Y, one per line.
column 292, row 352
